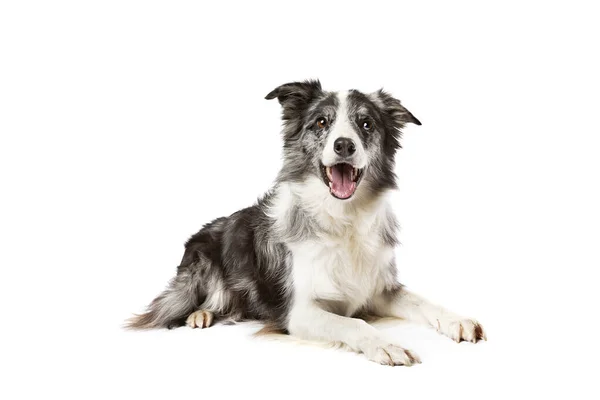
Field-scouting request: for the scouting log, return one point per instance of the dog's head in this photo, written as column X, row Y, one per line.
column 344, row 138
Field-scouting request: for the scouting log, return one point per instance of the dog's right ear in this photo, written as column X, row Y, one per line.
column 294, row 94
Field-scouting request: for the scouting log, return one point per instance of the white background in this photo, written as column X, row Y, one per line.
column 127, row 125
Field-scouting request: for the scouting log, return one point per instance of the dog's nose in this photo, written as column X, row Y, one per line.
column 344, row 147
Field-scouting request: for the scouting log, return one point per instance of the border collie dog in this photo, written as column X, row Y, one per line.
column 316, row 253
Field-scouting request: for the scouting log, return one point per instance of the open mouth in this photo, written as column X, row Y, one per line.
column 342, row 179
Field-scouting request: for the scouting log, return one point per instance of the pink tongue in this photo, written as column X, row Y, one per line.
column 342, row 185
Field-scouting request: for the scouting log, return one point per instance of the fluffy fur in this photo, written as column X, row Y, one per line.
column 317, row 251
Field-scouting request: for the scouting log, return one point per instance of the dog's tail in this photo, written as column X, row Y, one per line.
column 275, row 333
column 171, row 308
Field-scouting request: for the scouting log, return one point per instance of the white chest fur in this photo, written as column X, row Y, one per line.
column 344, row 272
column 348, row 261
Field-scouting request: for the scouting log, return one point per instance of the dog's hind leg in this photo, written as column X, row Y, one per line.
column 171, row 308
column 200, row 319
column 198, row 286
column 186, row 293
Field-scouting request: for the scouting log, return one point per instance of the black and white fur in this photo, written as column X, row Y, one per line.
column 301, row 259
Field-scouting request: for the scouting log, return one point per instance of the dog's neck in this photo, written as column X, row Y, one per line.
column 307, row 209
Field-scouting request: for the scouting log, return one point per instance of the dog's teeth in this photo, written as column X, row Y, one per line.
column 328, row 170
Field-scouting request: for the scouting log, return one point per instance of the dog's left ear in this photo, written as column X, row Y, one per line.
column 399, row 115
column 295, row 94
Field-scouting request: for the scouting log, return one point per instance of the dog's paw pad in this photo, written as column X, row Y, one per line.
column 200, row 319
column 463, row 329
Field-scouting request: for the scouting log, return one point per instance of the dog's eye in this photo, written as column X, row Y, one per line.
column 367, row 125
column 322, row 123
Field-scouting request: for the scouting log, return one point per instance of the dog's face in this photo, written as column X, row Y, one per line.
column 344, row 138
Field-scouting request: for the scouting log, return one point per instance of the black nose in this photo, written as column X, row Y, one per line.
column 344, row 147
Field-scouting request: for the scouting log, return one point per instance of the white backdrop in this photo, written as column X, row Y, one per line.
column 126, row 125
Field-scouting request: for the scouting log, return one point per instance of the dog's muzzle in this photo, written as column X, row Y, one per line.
column 342, row 179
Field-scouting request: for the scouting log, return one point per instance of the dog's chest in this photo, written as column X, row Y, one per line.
column 342, row 271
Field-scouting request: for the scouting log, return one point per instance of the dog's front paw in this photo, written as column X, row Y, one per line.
column 388, row 354
column 461, row 329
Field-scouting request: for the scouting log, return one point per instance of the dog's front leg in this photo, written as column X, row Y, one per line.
column 404, row 304
column 309, row 321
